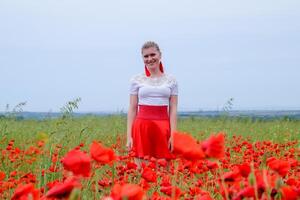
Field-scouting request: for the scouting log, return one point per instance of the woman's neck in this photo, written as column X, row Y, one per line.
column 155, row 73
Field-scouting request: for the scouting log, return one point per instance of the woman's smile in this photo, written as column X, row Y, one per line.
column 152, row 62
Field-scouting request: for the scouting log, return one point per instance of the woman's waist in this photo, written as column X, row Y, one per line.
column 153, row 112
column 153, row 101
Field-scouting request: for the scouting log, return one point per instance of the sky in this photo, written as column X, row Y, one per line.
column 53, row 51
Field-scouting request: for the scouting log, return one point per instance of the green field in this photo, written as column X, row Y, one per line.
column 71, row 132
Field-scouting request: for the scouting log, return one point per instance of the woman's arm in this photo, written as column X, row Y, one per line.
column 173, row 117
column 130, row 118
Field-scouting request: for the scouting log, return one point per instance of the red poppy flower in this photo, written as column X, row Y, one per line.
column 232, row 176
column 214, row 146
column 212, row 165
column 292, row 181
column 41, row 143
column 24, row 191
column 63, row 190
column 166, row 180
column 162, row 162
column 182, row 141
column 244, row 169
column 171, row 190
column 246, row 192
column 282, row 167
column 77, row 162
column 288, row 193
column 293, row 162
column 104, row 182
column 186, row 146
column 101, row 154
column 2, row 175
column 131, row 165
column 149, row 175
column 13, row 173
column 127, row 191
column 144, row 184
column 199, row 193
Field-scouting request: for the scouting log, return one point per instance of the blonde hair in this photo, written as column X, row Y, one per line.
column 150, row 44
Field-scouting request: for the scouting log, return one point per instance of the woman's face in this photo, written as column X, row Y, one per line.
column 151, row 57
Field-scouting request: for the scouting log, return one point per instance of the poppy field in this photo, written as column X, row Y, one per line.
column 86, row 158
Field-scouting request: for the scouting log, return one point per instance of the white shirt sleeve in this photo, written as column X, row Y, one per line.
column 134, row 87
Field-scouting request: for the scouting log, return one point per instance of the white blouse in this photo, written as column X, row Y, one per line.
column 153, row 91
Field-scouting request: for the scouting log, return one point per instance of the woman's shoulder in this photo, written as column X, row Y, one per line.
column 171, row 78
column 138, row 77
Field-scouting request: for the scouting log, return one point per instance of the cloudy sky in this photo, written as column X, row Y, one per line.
column 53, row 51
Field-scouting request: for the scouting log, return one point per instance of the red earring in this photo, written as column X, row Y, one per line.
column 161, row 68
column 147, row 72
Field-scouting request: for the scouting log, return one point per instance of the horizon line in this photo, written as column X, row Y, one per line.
column 187, row 110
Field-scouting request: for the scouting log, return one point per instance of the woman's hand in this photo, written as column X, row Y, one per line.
column 129, row 143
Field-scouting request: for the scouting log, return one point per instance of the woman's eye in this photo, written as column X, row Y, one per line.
column 152, row 54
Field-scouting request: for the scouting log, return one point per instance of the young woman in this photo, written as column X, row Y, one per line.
column 152, row 113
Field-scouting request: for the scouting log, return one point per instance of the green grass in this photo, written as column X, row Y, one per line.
column 275, row 130
column 70, row 132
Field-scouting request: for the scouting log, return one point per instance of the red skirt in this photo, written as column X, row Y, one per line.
column 151, row 132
